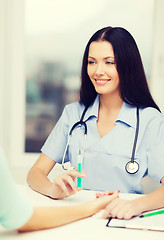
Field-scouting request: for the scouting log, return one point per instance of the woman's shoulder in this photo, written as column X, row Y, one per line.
column 151, row 115
column 74, row 109
column 75, row 106
column 151, row 112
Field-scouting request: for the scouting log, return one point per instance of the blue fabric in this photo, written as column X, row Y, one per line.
column 15, row 210
column 105, row 158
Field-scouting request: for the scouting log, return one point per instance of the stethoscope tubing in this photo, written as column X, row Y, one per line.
column 128, row 166
column 82, row 123
column 132, row 166
column 136, row 136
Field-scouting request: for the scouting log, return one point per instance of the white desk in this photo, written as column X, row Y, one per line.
column 92, row 228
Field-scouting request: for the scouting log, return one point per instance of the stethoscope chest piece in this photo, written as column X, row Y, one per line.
column 132, row 167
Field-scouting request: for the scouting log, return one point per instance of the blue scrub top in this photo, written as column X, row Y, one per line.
column 15, row 209
column 105, row 158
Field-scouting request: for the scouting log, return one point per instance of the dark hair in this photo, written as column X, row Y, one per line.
column 134, row 88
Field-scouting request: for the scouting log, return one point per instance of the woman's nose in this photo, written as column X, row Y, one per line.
column 100, row 69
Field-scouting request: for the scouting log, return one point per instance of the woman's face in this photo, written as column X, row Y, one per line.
column 101, row 68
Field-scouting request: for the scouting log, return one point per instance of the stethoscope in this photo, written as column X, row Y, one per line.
column 131, row 167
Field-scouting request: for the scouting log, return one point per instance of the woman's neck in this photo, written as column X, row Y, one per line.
column 110, row 104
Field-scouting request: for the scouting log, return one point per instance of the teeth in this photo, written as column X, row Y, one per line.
column 100, row 81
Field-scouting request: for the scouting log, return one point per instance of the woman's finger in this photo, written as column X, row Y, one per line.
column 74, row 174
column 62, row 187
column 70, row 183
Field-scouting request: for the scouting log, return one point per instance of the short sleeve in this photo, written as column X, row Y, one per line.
column 55, row 144
column 155, row 148
column 15, row 209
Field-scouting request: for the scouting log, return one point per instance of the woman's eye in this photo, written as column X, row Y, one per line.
column 109, row 63
column 91, row 62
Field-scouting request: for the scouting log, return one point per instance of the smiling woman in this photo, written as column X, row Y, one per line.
column 102, row 69
column 118, row 152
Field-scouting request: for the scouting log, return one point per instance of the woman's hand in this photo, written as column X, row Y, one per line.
column 122, row 209
column 64, row 184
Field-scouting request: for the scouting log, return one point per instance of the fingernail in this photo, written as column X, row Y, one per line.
column 98, row 195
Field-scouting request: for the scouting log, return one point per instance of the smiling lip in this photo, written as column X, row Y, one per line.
column 102, row 81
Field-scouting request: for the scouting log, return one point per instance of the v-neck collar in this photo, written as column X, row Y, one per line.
column 93, row 109
column 126, row 115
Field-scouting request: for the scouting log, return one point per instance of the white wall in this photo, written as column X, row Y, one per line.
column 157, row 76
column 157, row 79
column 3, row 84
column 11, row 57
column 12, row 82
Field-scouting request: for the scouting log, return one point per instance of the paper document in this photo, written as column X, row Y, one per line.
column 155, row 223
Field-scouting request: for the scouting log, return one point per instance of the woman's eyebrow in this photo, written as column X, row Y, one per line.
column 91, row 57
column 104, row 58
column 109, row 57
